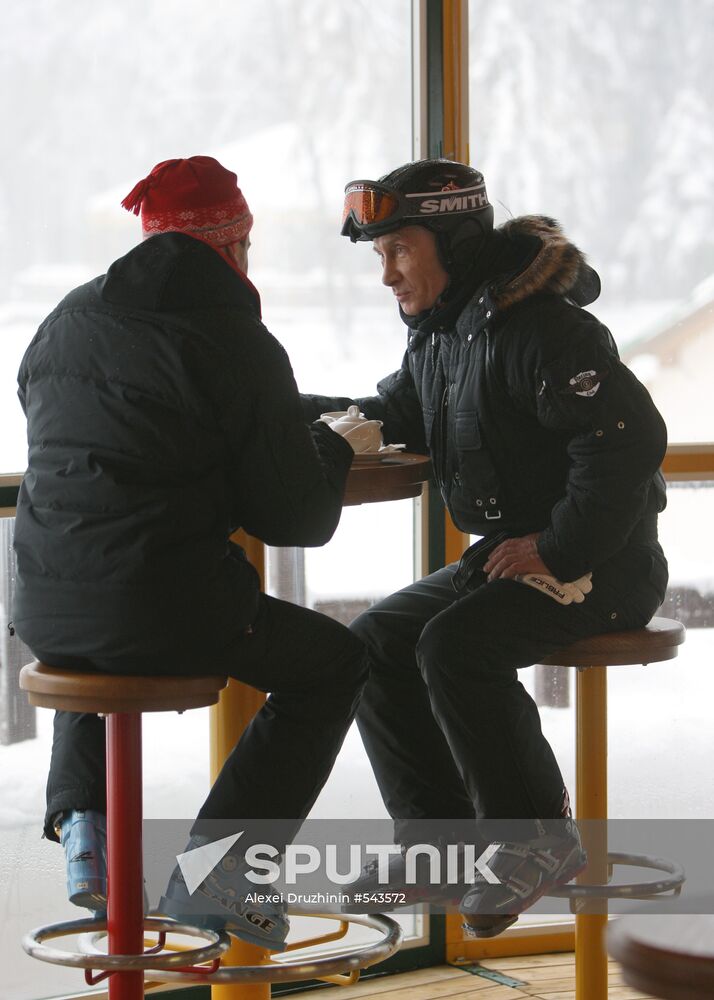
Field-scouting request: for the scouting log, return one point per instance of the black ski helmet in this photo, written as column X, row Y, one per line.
column 447, row 197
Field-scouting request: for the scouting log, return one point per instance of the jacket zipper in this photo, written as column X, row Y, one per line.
column 444, row 419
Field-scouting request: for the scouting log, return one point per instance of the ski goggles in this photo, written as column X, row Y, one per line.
column 371, row 209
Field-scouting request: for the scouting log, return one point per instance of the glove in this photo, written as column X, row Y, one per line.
column 563, row 593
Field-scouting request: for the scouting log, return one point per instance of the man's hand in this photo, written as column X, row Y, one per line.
column 514, row 557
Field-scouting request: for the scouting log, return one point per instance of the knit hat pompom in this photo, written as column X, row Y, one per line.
column 197, row 196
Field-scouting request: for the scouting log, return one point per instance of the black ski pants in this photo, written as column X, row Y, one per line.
column 451, row 732
column 314, row 669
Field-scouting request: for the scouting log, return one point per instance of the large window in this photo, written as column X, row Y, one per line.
column 297, row 98
column 597, row 117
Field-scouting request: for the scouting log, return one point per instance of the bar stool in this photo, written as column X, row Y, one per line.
column 658, row 641
column 123, row 699
column 666, row 955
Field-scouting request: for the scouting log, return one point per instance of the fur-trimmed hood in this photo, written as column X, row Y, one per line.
column 526, row 255
column 556, row 265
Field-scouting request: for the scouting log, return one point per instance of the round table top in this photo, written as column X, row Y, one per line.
column 667, row 955
column 392, row 476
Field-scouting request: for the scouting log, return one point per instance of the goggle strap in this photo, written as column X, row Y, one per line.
column 452, row 202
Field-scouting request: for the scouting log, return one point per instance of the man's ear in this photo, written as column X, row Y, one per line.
column 237, row 253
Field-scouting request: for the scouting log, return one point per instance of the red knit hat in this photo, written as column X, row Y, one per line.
column 196, row 196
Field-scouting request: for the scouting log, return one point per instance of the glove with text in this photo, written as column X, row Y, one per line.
column 563, row 593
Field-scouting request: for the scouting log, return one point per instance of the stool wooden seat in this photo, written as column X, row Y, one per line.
column 658, row 641
column 666, row 955
column 80, row 691
column 655, row 642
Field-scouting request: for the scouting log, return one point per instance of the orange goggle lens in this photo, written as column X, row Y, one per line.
column 369, row 205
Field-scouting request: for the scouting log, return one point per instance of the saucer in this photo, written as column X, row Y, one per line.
column 386, row 451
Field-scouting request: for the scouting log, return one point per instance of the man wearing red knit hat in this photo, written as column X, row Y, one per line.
column 162, row 415
column 196, row 196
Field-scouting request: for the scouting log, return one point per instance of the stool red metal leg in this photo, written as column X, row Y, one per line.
column 125, row 871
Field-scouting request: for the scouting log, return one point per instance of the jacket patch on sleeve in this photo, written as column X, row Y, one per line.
column 585, row 383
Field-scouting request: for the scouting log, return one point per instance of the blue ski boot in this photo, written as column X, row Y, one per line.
column 83, row 834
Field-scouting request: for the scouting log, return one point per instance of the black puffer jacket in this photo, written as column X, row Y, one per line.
column 161, row 415
column 532, row 421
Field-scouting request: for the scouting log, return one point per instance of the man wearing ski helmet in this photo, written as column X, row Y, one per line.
column 546, row 445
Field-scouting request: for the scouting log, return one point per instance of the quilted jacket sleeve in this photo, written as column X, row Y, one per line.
column 615, row 439
column 286, row 480
column 396, row 405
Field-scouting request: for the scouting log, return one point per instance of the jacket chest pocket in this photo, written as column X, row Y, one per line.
column 568, row 397
column 476, row 473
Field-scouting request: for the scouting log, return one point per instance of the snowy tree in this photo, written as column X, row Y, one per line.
column 574, row 112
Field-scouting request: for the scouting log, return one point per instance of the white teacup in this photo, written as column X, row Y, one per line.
column 364, row 436
column 331, row 418
column 343, row 418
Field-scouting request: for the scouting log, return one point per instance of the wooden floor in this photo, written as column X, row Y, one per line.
column 548, row 977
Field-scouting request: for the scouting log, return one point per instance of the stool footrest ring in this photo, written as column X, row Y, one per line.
column 172, row 967
column 279, row 970
column 33, row 944
column 629, row 890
